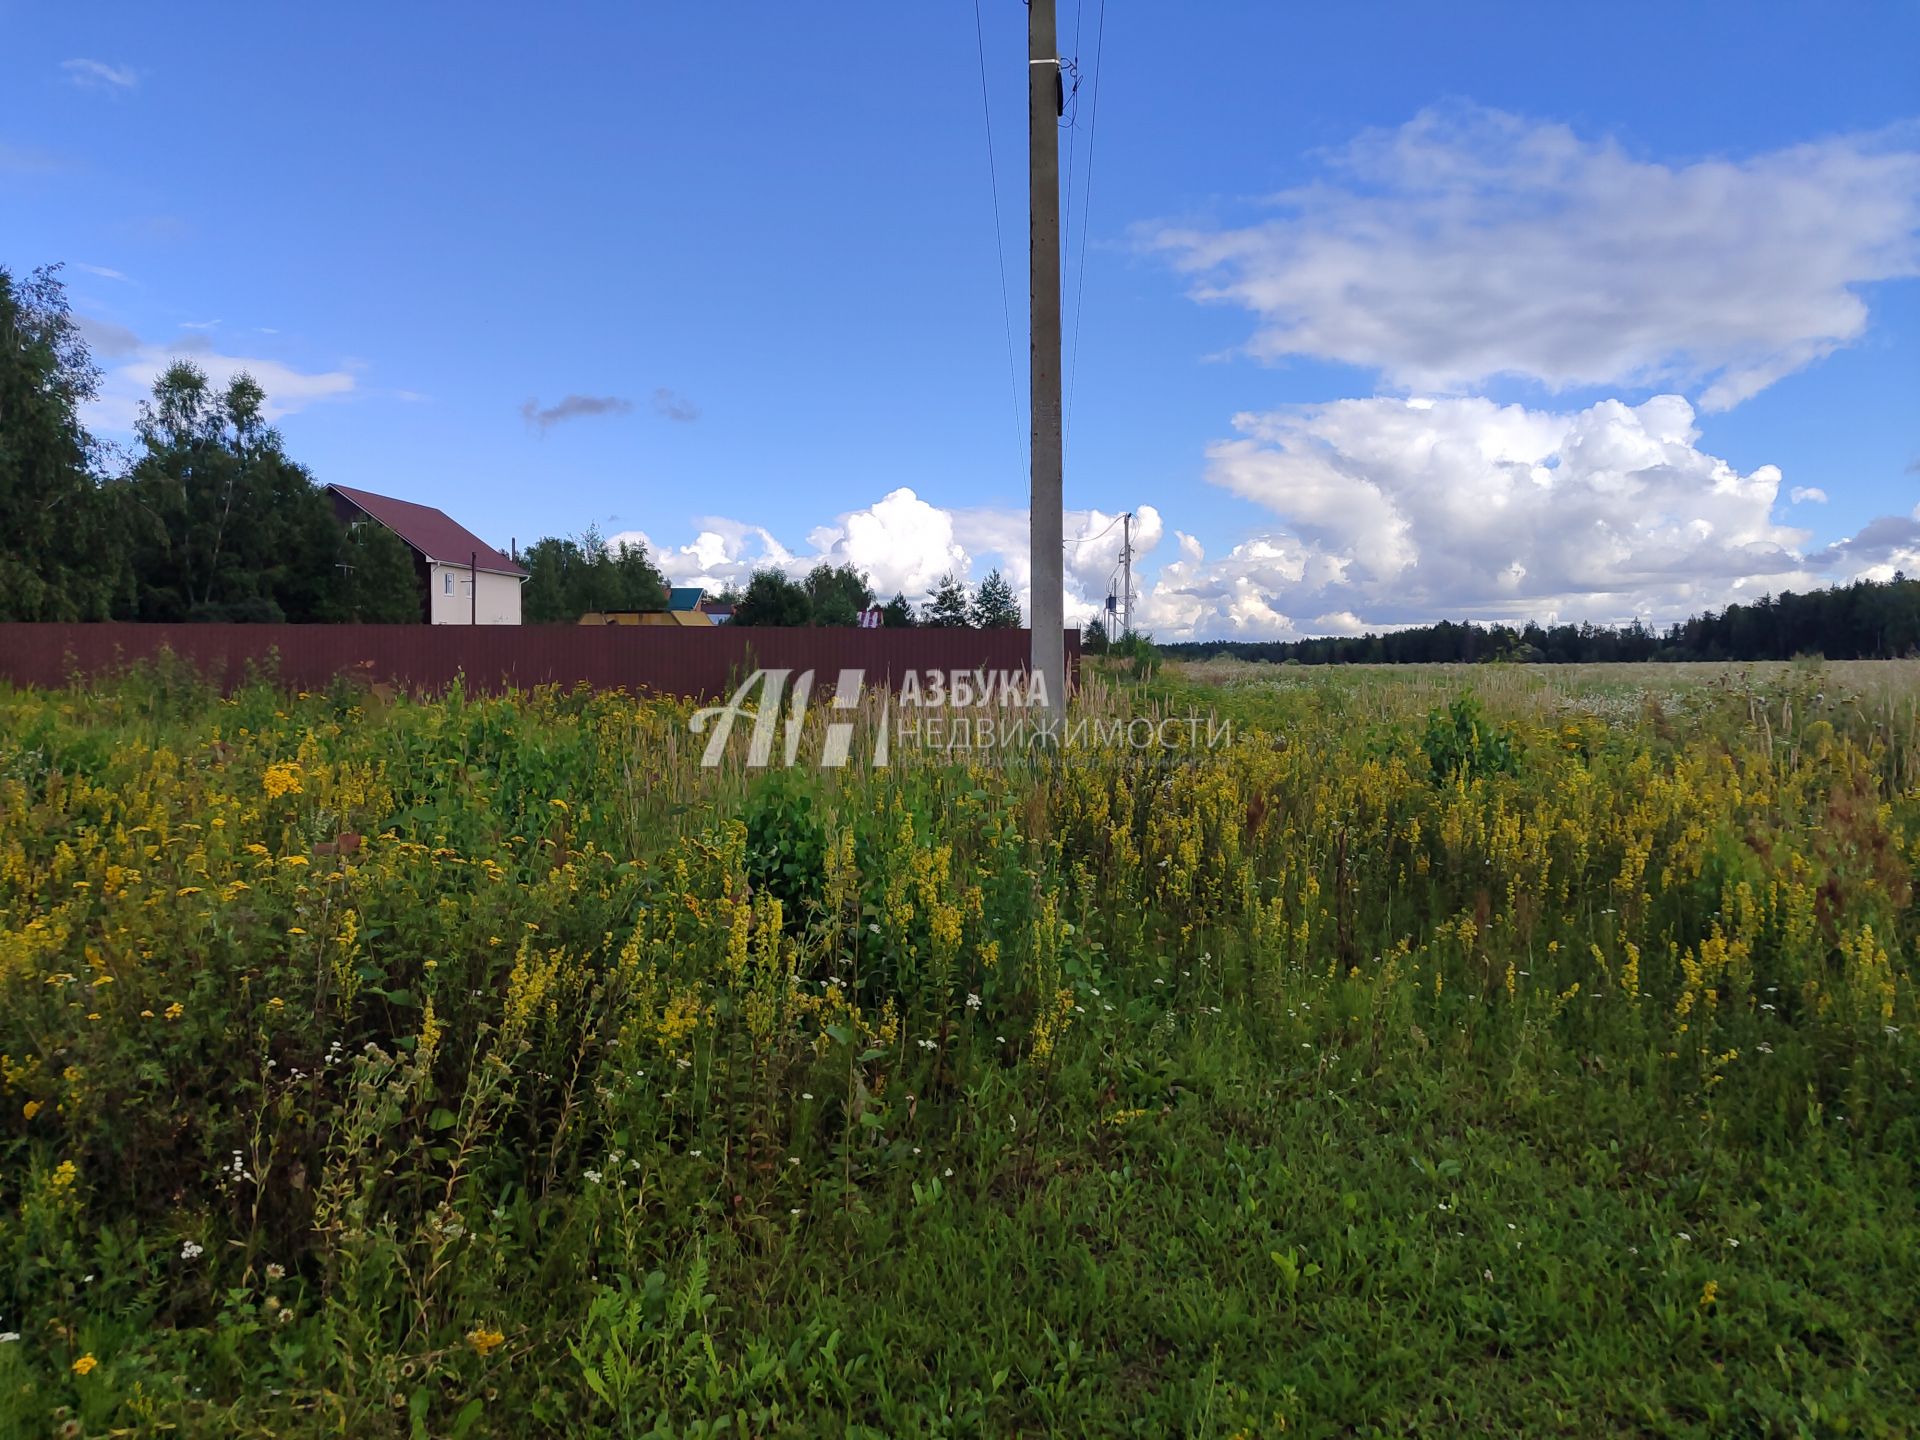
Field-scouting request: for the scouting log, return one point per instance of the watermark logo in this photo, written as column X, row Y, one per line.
column 978, row 714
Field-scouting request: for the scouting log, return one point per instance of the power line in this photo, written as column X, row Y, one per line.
column 1086, row 203
column 999, row 242
column 1071, row 103
column 1089, row 539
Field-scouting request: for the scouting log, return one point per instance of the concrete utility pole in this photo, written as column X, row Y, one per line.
column 1126, row 573
column 1043, row 179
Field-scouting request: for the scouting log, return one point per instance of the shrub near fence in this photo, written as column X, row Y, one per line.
column 493, row 658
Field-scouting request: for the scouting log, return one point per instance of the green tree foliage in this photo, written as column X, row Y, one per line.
column 948, row 608
column 1094, row 639
column 772, row 598
column 837, row 594
column 221, row 524
column 60, row 555
column 633, row 581
column 543, row 598
column 898, row 614
column 1138, row 650
column 1864, row 620
column 210, row 519
column 994, row 605
column 379, row 582
column 569, row 577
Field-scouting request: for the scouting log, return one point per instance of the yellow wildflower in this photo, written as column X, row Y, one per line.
column 485, row 1341
column 1710, row 1295
column 282, row 778
column 429, row 1041
column 84, row 1365
column 680, row 1019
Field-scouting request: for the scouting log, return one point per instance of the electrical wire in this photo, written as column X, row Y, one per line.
column 999, row 241
column 1086, row 203
column 1089, row 539
column 1072, row 127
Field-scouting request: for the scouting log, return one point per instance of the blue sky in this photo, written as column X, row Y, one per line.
column 1375, row 298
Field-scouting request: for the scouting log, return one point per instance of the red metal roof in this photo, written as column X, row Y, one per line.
column 434, row 533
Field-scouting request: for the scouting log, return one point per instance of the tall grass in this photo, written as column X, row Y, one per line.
column 1480, row 1049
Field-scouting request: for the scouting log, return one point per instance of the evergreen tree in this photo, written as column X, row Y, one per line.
column 994, row 606
column 948, row 607
column 1094, row 639
column 898, row 614
column 1864, row 620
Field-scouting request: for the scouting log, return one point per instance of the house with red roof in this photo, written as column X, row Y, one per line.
column 463, row 580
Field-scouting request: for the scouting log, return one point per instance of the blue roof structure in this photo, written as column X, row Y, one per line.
column 685, row 597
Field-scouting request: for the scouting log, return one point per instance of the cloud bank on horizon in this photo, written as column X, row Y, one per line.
column 905, row 544
column 1398, row 511
column 1464, row 248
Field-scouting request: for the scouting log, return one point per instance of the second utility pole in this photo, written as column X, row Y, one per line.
column 1043, row 183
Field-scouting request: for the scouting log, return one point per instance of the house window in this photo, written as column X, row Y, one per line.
column 449, row 579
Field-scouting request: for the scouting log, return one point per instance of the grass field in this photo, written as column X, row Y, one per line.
column 1496, row 1050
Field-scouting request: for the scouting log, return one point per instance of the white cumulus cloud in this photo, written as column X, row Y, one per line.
column 1397, row 510
column 1385, row 513
column 1470, row 243
column 130, row 365
column 905, row 544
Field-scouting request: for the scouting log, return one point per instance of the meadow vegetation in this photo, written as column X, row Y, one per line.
column 1492, row 1050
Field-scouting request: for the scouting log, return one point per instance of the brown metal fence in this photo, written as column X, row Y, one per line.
column 638, row 658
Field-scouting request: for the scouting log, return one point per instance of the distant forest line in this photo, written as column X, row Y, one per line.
column 1865, row 620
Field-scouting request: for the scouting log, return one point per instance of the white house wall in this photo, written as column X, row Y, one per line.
column 450, row 596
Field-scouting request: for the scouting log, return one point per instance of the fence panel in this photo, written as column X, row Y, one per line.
column 491, row 658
